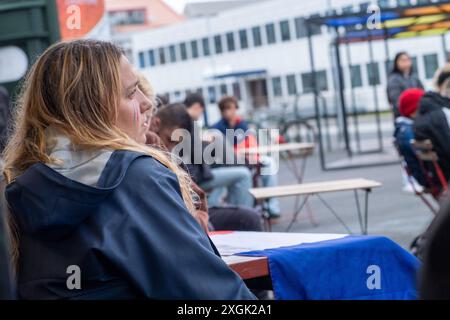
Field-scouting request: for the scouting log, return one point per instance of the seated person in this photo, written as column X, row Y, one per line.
column 231, row 121
column 434, row 283
column 195, row 105
column 85, row 193
column 166, row 121
column 237, row 180
column 432, row 120
column 404, row 133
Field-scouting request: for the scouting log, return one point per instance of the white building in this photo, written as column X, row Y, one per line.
column 259, row 53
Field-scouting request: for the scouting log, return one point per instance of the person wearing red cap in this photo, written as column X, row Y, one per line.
column 408, row 105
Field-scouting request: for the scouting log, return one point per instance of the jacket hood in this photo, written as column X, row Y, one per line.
column 48, row 205
column 433, row 101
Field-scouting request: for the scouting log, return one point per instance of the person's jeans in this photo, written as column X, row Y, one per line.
column 270, row 181
column 235, row 180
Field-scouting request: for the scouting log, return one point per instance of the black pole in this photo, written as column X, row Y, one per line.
column 375, row 98
column 444, row 47
column 353, row 98
column 342, row 96
column 388, row 55
column 316, row 96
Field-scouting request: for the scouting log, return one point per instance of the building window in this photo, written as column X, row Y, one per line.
column 230, row 42
column 308, row 81
column 403, row 3
column 199, row 91
column 285, row 30
column 141, row 60
column 364, row 6
column 415, row 65
column 322, row 81
column 212, row 95
column 270, row 33
column 389, row 65
column 257, row 40
column 183, row 51
column 223, row 89
column 243, row 39
column 300, row 28
column 206, row 48
column 277, row 87
column 316, row 29
column 218, row 44
column 128, row 17
column 347, row 9
column 291, row 84
column 383, row 4
column 194, row 48
column 151, row 57
column 237, row 90
column 172, row 53
column 355, row 76
column 431, row 65
column 162, row 56
column 373, row 73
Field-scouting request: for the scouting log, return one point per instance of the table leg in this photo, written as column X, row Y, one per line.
column 358, row 210
column 334, row 213
column 299, row 174
column 366, row 213
column 294, row 218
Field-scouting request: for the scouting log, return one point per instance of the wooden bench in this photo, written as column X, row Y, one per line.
column 304, row 148
column 316, row 189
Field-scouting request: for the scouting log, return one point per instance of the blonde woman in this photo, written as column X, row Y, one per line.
column 94, row 212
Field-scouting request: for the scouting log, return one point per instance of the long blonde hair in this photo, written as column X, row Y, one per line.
column 75, row 87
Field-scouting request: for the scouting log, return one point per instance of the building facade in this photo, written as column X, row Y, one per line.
column 259, row 53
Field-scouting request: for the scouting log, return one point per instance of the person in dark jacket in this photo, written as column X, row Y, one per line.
column 402, row 77
column 195, row 105
column 404, row 133
column 432, row 121
column 434, row 276
column 98, row 214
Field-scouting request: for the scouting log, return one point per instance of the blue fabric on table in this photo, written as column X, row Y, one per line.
column 338, row 270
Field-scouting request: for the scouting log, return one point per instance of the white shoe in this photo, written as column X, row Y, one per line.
column 410, row 189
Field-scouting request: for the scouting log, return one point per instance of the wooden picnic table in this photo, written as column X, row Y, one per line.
column 317, row 188
column 303, row 147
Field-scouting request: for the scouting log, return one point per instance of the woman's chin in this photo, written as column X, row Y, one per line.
column 142, row 139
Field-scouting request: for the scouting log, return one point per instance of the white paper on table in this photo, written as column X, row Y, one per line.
column 238, row 242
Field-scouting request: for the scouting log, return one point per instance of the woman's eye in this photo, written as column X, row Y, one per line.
column 131, row 95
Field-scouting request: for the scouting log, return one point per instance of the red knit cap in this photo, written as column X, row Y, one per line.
column 409, row 101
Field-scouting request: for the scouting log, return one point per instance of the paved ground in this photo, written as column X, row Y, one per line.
column 393, row 213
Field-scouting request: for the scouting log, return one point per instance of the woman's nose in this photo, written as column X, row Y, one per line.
column 144, row 103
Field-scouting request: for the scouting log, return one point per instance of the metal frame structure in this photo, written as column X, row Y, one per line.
column 395, row 23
